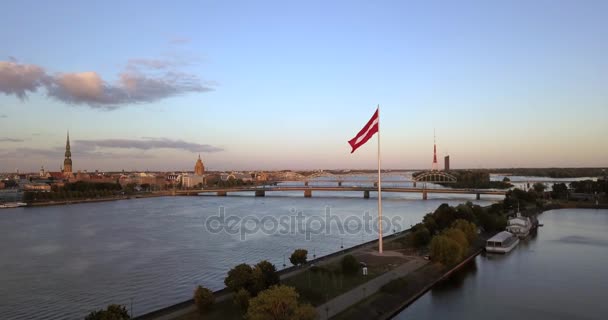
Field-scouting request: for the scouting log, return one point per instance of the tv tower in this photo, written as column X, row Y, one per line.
column 435, row 166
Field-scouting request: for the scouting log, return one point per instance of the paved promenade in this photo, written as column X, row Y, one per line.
column 344, row 301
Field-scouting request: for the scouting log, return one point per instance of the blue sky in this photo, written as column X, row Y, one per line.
column 284, row 84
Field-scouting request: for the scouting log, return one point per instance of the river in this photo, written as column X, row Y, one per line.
column 61, row 262
column 558, row 274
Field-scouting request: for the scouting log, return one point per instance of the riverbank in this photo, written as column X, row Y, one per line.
column 187, row 309
column 94, row 200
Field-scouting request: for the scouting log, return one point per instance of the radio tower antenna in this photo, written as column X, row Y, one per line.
column 435, row 166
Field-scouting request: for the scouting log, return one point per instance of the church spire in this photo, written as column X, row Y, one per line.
column 67, row 162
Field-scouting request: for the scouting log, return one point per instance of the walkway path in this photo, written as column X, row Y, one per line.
column 344, row 301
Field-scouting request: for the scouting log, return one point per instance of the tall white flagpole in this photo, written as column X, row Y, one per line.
column 379, row 189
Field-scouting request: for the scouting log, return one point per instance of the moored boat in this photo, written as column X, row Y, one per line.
column 12, row 205
column 502, row 242
column 519, row 226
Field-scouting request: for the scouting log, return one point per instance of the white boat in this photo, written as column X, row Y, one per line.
column 502, row 242
column 13, row 204
column 519, row 226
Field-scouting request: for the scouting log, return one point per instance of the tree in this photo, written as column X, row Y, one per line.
column 299, row 257
column 465, row 211
column 421, row 237
column 265, row 276
column 279, row 303
column 445, row 250
column 240, row 277
column 203, row 299
column 559, row 190
column 458, row 236
column 469, row 229
column 506, row 179
column 349, row 264
column 539, row 187
column 241, row 300
column 112, row 312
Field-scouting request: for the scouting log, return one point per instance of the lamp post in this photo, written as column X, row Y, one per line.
column 341, row 242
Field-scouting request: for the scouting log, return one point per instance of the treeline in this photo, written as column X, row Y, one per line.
column 449, row 232
column 476, row 179
column 231, row 182
column 76, row 190
column 553, row 172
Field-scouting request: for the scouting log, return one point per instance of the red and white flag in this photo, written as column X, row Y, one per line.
column 366, row 133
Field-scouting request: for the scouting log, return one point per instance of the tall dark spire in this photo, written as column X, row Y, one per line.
column 67, row 162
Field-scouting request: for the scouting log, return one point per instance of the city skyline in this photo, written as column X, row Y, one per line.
column 142, row 88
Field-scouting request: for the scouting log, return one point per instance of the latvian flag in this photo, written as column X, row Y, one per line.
column 366, row 133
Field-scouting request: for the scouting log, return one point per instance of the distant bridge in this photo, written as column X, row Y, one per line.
column 308, row 191
column 425, row 177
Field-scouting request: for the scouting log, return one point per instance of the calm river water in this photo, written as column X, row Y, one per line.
column 561, row 273
column 62, row 262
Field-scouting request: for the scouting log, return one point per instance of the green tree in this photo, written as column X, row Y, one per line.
column 299, row 257
column 112, row 312
column 265, row 275
column 421, row 237
column 465, row 211
column 458, row 236
column 279, row 303
column 240, row 277
column 559, row 191
column 469, row 229
column 349, row 264
column 539, row 187
column 445, row 250
column 203, row 299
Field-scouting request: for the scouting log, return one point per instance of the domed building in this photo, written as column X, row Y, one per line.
column 199, row 167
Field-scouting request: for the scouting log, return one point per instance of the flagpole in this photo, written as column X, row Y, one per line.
column 379, row 189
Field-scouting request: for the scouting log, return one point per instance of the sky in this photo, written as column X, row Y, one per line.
column 265, row 85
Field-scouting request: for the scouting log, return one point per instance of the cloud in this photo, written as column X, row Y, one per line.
column 32, row 152
column 2, row 116
column 153, row 63
column 19, row 79
column 4, row 139
column 58, row 153
column 179, row 40
column 146, row 144
column 136, row 84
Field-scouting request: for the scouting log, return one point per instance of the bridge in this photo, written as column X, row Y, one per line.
column 308, row 190
column 433, row 176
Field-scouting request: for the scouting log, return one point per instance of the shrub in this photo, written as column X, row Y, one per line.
column 203, row 299
column 350, row 265
column 112, row 312
column 241, row 300
column 279, row 302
